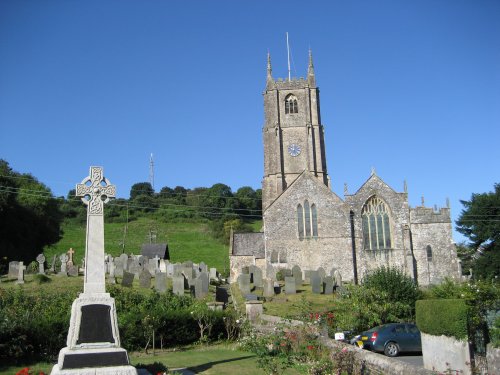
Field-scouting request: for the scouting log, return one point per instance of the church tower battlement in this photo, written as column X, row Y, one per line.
column 292, row 133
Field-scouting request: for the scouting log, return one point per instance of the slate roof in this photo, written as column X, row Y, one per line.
column 150, row 250
column 248, row 244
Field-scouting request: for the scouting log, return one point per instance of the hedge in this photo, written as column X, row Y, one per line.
column 446, row 317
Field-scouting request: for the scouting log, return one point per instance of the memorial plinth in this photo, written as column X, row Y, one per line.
column 93, row 343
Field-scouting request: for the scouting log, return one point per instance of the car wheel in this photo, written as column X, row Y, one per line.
column 391, row 349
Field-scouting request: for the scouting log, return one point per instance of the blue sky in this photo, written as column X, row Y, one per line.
column 411, row 88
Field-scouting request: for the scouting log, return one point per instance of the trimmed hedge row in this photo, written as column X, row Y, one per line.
column 442, row 317
column 36, row 326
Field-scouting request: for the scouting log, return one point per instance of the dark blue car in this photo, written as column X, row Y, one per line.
column 391, row 339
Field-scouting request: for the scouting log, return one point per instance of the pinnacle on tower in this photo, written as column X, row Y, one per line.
column 310, row 71
column 269, row 78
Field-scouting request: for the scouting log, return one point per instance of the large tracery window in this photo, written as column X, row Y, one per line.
column 291, row 105
column 376, row 225
column 307, row 220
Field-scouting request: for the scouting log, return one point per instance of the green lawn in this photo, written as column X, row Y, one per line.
column 186, row 241
column 210, row 360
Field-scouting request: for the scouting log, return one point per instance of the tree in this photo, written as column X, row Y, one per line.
column 141, row 188
column 30, row 216
column 248, row 201
column 479, row 221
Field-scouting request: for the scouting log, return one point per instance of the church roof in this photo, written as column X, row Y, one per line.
column 151, row 250
column 248, row 244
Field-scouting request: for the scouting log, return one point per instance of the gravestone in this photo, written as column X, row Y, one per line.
column 251, row 297
column 53, row 265
column 163, row 265
column 161, row 282
column 119, row 267
column 197, row 288
column 20, row 273
column 124, row 261
column 321, row 273
column 73, row 270
column 244, row 283
column 128, row 278
column 245, row 270
column 153, row 266
column 112, row 270
column 205, row 281
column 257, row 277
column 70, row 253
column 290, row 287
column 338, row 278
column 134, row 266
column 41, row 263
column 64, row 266
column 145, row 279
column 213, row 274
column 328, row 285
column 188, row 263
column 170, row 270
column 297, row 274
column 13, row 269
column 316, row 284
column 268, row 288
column 203, row 267
column 93, row 342
column 221, row 294
column 178, row 285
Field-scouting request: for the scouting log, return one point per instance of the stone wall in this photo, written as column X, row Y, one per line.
column 493, row 358
column 442, row 353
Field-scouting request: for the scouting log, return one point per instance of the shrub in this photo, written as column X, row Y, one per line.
column 443, row 317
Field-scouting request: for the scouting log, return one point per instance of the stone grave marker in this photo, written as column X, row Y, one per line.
column 13, row 269
column 307, row 276
column 277, row 288
column 321, row 273
column 244, row 283
column 170, row 270
column 328, row 285
column 134, row 267
column 316, row 284
column 93, row 339
column 119, row 267
column 213, row 274
column 290, row 287
column 221, row 294
column 64, row 266
column 297, row 274
column 161, row 282
column 245, row 270
column 188, row 263
column 197, row 288
column 313, row 274
column 124, row 260
column 178, row 285
column 251, row 297
column 73, row 270
column 145, row 279
column 112, row 270
column 203, row 267
column 41, row 263
column 53, row 265
column 338, row 278
column 20, row 273
column 257, row 277
column 152, row 266
column 128, row 278
column 70, row 253
column 268, row 288
column 163, row 265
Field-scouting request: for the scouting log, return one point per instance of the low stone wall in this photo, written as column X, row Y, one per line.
column 370, row 363
column 443, row 353
column 493, row 358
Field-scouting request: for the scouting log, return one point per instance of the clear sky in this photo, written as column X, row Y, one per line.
column 411, row 88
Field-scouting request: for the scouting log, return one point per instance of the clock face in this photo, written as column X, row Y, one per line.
column 294, row 149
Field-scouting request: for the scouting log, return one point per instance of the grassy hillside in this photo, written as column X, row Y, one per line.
column 186, row 241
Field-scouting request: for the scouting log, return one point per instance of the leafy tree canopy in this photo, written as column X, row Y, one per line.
column 141, row 188
column 479, row 221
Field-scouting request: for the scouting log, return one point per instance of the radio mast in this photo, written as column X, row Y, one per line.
column 151, row 172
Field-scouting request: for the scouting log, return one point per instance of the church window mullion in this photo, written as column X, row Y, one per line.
column 307, row 221
column 300, row 221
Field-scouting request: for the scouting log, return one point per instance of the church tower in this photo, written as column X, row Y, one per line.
column 292, row 132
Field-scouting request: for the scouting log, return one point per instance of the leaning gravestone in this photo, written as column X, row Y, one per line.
column 128, row 278
column 145, row 279
column 20, row 273
column 257, row 277
column 161, row 282
column 316, row 284
column 93, row 343
column 290, row 287
column 244, row 283
column 13, row 269
column 41, row 263
column 268, row 288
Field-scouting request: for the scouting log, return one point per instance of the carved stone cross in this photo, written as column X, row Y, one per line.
column 95, row 190
column 70, row 253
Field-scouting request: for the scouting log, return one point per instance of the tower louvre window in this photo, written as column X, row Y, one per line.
column 291, row 105
column 376, row 225
column 307, row 220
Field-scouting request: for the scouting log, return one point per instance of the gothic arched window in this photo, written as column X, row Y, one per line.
column 429, row 253
column 300, row 221
column 307, row 220
column 291, row 105
column 376, row 225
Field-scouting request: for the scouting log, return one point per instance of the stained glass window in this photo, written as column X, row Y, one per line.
column 376, row 225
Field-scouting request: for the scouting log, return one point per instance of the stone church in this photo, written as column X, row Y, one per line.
column 306, row 224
